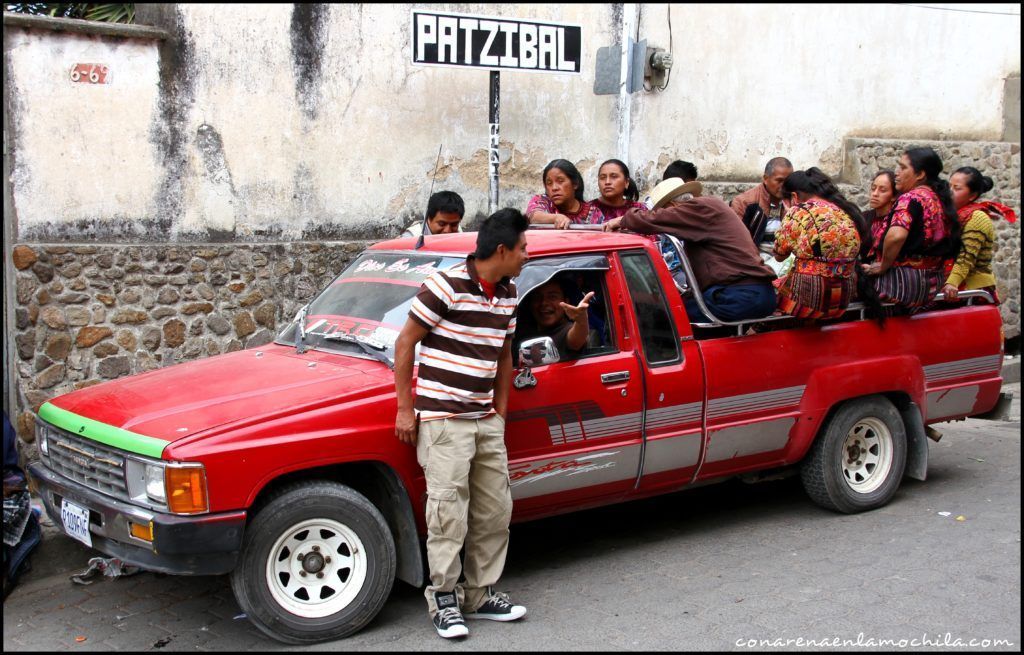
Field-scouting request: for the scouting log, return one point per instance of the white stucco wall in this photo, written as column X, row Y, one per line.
column 81, row 152
column 755, row 81
column 356, row 152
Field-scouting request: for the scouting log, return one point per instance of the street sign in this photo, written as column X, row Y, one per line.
column 445, row 39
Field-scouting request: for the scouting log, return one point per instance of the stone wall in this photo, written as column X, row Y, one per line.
column 89, row 313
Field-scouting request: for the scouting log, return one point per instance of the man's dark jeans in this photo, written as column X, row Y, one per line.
column 734, row 302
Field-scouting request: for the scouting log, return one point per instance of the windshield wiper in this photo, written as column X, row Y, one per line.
column 300, row 331
column 371, row 347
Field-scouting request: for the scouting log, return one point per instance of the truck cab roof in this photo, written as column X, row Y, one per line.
column 539, row 242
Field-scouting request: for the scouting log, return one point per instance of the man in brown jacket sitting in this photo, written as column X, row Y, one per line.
column 733, row 281
column 761, row 208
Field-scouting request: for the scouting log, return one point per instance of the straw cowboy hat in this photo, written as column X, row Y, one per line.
column 671, row 189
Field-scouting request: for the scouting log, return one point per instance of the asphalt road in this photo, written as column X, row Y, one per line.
column 726, row 567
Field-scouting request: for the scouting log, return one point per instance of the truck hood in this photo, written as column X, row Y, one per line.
column 160, row 407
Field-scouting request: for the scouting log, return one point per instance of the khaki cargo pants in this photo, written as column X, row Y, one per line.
column 469, row 503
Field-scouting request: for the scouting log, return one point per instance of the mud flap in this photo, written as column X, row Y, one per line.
column 917, row 442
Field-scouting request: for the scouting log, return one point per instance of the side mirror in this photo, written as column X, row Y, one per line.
column 537, row 352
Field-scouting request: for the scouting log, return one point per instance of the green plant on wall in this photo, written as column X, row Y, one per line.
column 107, row 13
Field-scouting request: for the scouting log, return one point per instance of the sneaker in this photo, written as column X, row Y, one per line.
column 448, row 620
column 498, row 607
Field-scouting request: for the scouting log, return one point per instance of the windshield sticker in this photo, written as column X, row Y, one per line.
column 380, row 280
column 357, row 327
column 398, row 269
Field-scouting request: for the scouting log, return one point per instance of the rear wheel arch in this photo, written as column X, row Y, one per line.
column 833, row 474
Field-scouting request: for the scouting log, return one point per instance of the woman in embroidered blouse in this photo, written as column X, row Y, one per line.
column 563, row 203
column 910, row 248
column 823, row 230
column 619, row 192
column 973, row 267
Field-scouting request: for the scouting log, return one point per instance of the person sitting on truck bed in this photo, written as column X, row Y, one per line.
column 619, row 192
column 973, row 267
column 680, row 168
column 562, row 202
column 910, row 248
column 445, row 210
column 762, row 208
column 823, row 230
column 734, row 282
column 567, row 325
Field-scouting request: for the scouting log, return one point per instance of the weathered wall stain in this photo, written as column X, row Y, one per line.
column 308, row 40
column 177, row 94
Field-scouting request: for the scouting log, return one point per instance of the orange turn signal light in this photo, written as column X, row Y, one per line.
column 186, row 490
column 144, row 532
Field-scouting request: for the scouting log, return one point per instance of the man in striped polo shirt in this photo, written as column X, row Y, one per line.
column 465, row 318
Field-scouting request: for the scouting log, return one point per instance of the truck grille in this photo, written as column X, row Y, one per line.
column 90, row 463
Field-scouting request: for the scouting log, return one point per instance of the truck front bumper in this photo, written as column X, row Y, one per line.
column 207, row 544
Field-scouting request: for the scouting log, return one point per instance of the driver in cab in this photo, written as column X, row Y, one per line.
column 567, row 325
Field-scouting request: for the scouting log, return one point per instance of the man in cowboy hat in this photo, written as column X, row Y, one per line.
column 733, row 281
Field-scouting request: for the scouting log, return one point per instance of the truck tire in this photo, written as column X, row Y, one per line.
column 857, row 463
column 317, row 563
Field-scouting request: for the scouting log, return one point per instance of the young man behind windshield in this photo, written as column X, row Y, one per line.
column 445, row 210
column 465, row 318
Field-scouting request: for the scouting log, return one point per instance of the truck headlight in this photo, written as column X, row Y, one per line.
column 180, row 487
column 41, row 434
column 155, row 489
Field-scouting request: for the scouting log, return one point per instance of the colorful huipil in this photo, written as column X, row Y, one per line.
column 915, row 277
column 825, row 242
column 587, row 214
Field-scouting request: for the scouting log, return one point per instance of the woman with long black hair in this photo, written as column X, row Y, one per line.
column 562, row 202
column 824, row 231
column 909, row 252
column 973, row 267
column 619, row 192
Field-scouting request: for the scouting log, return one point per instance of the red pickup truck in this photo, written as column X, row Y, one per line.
column 280, row 466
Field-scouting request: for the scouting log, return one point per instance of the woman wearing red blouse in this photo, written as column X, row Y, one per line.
column 562, row 204
column 910, row 249
column 619, row 192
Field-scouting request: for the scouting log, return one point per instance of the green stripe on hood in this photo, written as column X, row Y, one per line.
column 107, row 434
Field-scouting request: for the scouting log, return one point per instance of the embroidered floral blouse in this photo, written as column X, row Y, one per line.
column 818, row 221
column 611, row 213
column 588, row 213
column 934, row 222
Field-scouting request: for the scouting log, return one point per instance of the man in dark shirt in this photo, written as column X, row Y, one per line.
column 568, row 326
column 735, row 283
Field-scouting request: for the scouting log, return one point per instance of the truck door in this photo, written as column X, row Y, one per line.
column 673, row 382
column 573, row 437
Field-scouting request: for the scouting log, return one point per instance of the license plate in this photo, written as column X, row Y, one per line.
column 76, row 521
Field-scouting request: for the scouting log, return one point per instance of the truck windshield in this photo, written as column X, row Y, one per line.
column 369, row 301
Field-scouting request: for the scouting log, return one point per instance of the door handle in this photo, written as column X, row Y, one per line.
column 620, row 376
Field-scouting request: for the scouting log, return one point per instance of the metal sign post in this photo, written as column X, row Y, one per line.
column 496, row 44
column 493, row 157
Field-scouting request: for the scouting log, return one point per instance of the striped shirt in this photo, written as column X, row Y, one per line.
column 459, row 356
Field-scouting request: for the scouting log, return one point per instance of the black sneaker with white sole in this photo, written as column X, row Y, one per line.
column 448, row 620
column 497, row 607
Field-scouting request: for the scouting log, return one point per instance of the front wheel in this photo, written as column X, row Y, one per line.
column 318, row 562
column 857, row 463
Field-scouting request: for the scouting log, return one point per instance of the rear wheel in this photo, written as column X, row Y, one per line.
column 318, row 562
column 857, row 463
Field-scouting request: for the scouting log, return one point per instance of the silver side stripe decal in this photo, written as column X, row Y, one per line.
column 755, row 402
column 962, row 368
